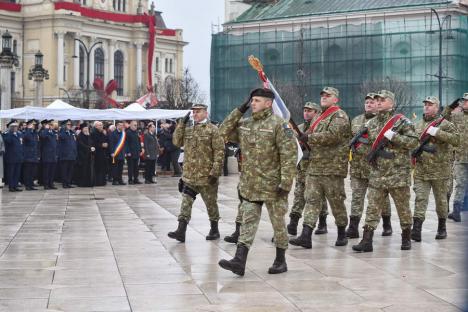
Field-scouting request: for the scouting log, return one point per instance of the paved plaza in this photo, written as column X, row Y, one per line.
column 106, row 249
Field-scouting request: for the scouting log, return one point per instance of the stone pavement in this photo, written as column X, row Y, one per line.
column 106, row 249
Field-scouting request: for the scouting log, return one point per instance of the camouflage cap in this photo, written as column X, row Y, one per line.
column 432, row 99
column 386, row 94
column 199, row 106
column 370, row 95
column 313, row 106
column 465, row 96
column 331, row 91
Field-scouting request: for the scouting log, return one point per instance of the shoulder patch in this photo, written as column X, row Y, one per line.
column 287, row 130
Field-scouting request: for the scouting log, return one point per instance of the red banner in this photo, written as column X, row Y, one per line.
column 11, row 7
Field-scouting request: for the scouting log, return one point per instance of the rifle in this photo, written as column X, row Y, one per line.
column 380, row 151
column 299, row 133
column 358, row 138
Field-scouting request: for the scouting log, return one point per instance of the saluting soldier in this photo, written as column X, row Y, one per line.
column 13, row 140
column 49, row 141
column 31, row 154
column 203, row 164
column 67, row 152
column 392, row 137
column 433, row 166
column 359, row 171
column 328, row 137
column 310, row 112
column 269, row 154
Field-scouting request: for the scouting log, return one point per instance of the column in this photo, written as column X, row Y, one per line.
column 139, row 66
column 39, row 92
column 60, row 56
column 6, row 67
column 76, row 63
column 111, row 59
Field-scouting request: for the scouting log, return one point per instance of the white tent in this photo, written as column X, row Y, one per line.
column 135, row 107
column 59, row 104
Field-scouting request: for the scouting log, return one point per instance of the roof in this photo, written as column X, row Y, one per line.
column 297, row 8
column 159, row 20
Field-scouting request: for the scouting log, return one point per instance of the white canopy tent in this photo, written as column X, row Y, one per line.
column 59, row 104
column 135, row 107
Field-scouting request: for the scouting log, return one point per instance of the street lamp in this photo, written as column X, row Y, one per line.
column 88, row 55
column 38, row 73
column 6, row 43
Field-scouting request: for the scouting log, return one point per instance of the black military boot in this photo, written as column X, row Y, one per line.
column 365, row 245
column 387, row 226
column 441, row 229
column 234, row 237
column 237, row 264
column 279, row 265
column 341, row 240
column 322, row 226
column 406, row 239
column 214, row 232
column 179, row 234
column 292, row 226
column 353, row 228
column 416, row 231
column 305, row 239
column 455, row 214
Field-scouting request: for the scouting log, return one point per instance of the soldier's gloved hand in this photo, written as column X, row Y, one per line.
column 244, row 107
column 389, row 134
column 281, row 192
column 212, row 180
column 455, row 103
column 303, row 137
column 186, row 118
column 432, row 131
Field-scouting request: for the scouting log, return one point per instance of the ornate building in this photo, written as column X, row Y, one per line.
column 64, row 31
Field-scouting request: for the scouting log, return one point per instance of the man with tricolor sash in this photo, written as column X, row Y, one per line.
column 392, row 138
column 117, row 145
column 433, row 166
column 328, row 137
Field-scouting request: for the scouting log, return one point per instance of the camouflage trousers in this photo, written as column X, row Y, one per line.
column 460, row 172
column 359, row 189
column 209, row 195
column 239, row 213
column 401, row 198
column 422, row 188
column 299, row 198
column 332, row 189
column 251, row 214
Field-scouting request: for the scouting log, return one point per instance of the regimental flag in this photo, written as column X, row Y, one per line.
column 148, row 100
column 279, row 107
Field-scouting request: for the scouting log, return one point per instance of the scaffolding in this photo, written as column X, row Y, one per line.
column 352, row 57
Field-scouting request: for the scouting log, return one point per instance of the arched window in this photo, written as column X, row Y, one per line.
column 99, row 63
column 166, row 65
column 170, row 66
column 119, row 71
column 82, row 67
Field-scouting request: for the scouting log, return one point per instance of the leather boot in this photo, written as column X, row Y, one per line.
column 234, row 237
column 237, row 264
column 292, row 226
column 179, row 234
column 416, row 231
column 365, row 245
column 441, row 229
column 341, row 240
column 406, row 239
column 305, row 239
column 353, row 228
column 279, row 265
column 214, row 232
column 322, row 226
column 455, row 214
column 387, row 226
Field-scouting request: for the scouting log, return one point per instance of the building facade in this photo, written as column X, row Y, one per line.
column 352, row 45
column 118, row 30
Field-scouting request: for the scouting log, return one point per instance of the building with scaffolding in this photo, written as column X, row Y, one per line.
column 355, row 46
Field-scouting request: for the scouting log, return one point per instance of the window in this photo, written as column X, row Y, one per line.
column 166, row 65
column 99, row 63
column 157, row 64
column 170, row 66
column 123, row 5
column 15, row 47
column 13, row 79
column 82, row 67
column 114, row 4
column 119, row 71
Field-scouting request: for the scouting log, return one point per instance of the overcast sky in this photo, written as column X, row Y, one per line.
column 195, row 17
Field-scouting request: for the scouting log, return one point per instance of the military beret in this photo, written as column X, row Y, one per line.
column 370, row 95
column 465, row 96
column 12, row 122
column 330, row 91
column 386, row 94
column 313, row 106
column 263, row 92
column 432, row 99
column 199, row 106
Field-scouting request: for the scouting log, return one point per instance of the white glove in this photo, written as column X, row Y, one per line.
column 389, row 134
column 93, row 148
column 432, row 131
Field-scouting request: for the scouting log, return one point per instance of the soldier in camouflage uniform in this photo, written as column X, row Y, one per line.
column 460, row 169
column 269, row 154
column 433, row 167
column 391, row 173
column 310, row 112
column 359, row 171
column 203, row 164
column 328, row 138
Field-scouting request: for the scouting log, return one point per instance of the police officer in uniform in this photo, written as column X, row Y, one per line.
column 31, row 154
column 49, row 141
column 67, row 152
column 13, row 140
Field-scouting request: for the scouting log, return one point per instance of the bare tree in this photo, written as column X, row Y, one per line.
column 180, row 93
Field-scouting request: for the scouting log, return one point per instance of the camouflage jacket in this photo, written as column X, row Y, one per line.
column 329, row 144
column 203, row 151
column 359, row 167
column 304, row 163
column 396, row 172
column 438, row 165
column 460, row 120
column 269, row 153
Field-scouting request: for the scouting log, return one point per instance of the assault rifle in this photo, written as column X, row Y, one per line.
column 299, row 133
column 359, row 138
column 380, row 151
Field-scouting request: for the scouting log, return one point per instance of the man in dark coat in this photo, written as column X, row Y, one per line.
column 67, row 152
column 132, row 152
column 49, row 141
column 151, row 153
column 85, row 163
column 31, row 154
column 117, row 154
column 101, row 154
column 13, row 140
